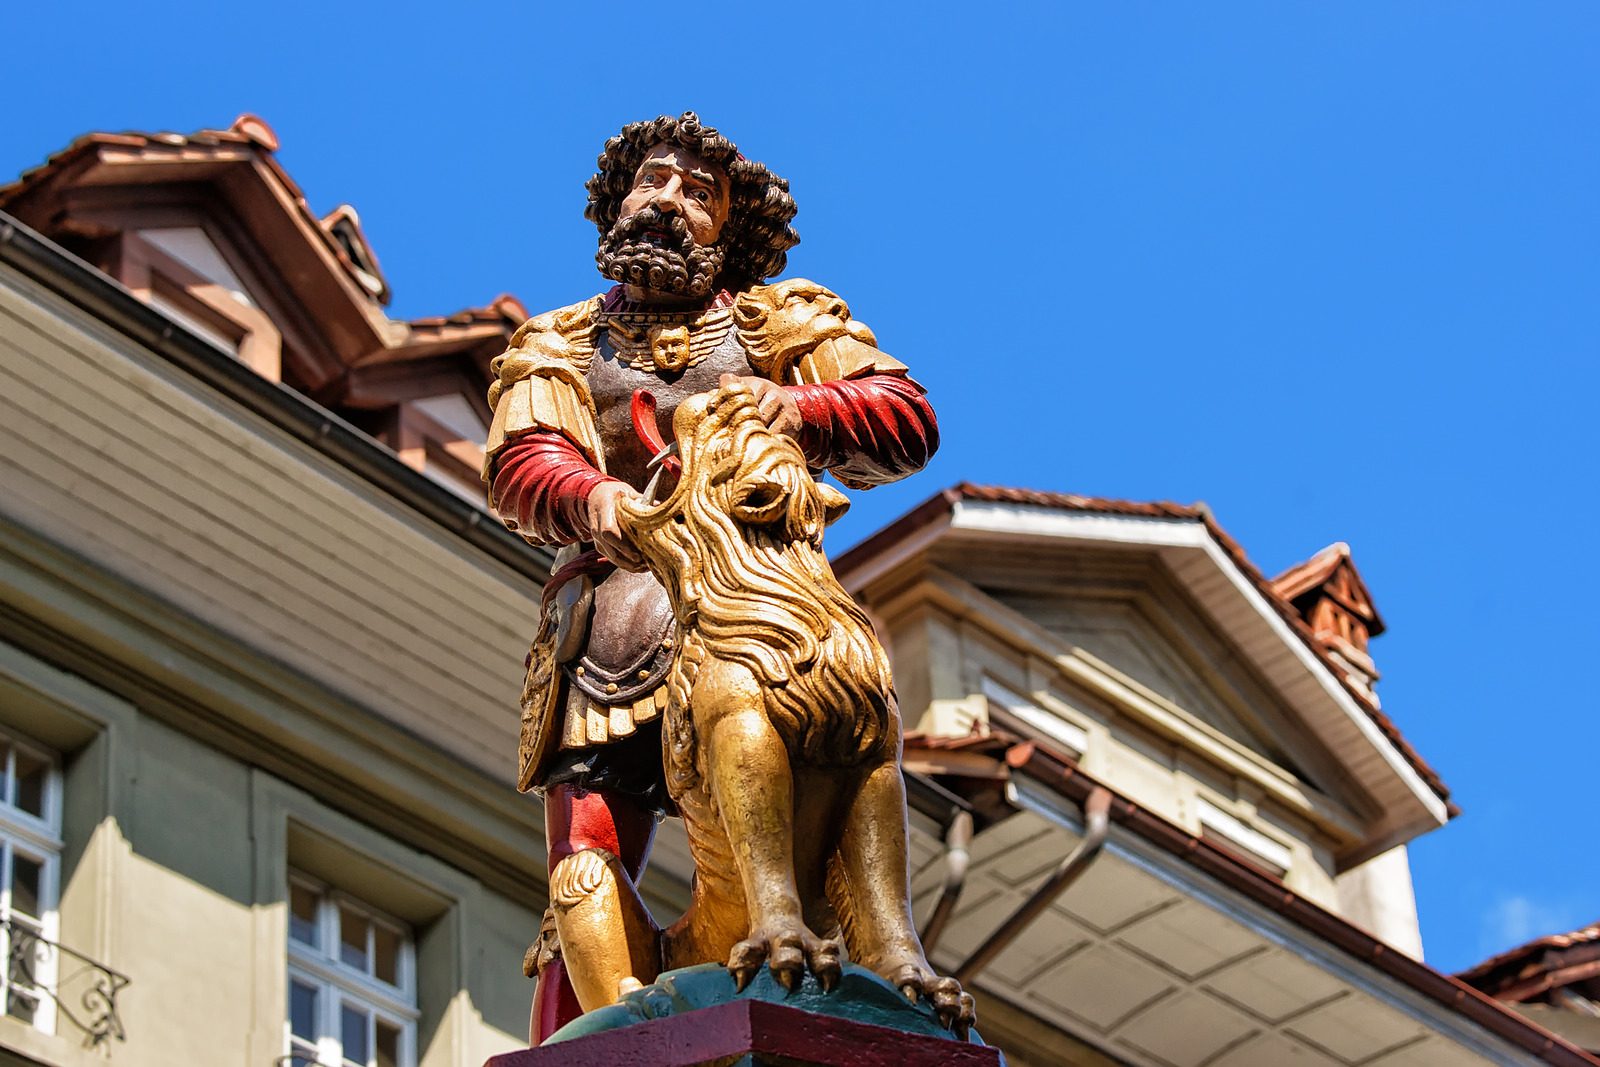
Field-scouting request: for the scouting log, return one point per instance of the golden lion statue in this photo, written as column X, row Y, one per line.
column 782, row 737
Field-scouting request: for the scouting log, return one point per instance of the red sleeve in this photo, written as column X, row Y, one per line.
column 541, row 482
column 867, row 431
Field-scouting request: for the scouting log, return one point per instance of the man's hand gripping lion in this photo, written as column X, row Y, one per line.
column 782, row 736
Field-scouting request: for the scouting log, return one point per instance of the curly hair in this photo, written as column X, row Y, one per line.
column 757, row 235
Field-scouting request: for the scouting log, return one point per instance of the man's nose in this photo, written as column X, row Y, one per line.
column 670, row 196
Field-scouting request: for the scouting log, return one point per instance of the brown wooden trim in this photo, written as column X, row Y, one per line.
column 149, row 271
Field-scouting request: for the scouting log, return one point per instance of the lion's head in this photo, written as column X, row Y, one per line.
column 744, row 494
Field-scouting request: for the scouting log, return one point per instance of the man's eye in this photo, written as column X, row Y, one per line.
column 703, row 196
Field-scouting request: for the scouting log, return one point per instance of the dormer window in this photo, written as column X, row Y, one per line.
column 181, row 272
column 443, row 437
column 344, row 226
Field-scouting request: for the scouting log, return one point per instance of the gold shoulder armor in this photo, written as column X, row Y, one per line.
column 540, row 382
column 799, row 331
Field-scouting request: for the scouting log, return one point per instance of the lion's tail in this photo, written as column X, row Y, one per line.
column 837, row 888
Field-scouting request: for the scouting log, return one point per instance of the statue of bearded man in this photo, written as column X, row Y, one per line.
column 690, row 232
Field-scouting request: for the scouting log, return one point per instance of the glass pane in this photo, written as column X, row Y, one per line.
column 25, row 880
column 353, row 938
column 21, row 1006
column 385, row 954
column 303, row 1011
column 31, row 774
column 303, row 914
column 26, row 953
column 388, row 1045
column 5, row 773
column 353, row 1034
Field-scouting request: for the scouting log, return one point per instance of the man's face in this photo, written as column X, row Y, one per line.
column 677, row 181
column 666, row 238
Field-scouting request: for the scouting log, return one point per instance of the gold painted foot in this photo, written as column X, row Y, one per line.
column 953, row 1005
column 789, row 949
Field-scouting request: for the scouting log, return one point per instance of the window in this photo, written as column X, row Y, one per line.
column 443, row 437
column 30, row 851
column 352, row 982
column 1222, row 827
column 1015, row 705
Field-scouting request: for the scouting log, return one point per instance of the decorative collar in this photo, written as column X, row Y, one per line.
column 615, row 306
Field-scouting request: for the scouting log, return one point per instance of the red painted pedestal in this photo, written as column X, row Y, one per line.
column 753, row 1032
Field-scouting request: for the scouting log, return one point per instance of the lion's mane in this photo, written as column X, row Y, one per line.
column 762, row 595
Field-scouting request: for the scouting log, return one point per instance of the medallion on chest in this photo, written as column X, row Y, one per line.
column 668, row 347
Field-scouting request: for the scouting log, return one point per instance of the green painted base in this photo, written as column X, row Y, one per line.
column 860, row 996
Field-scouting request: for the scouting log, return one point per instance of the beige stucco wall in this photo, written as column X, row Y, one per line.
column 945, row 651
column 249, row 659
column 180, row 884
column 1378, row 896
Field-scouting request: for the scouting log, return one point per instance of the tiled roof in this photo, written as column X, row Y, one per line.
column 943, row 502
column 1316, row 571
column 247, row 131
column 477, row 332
column 1517, row 965
column 503, row 308
column 201, row 138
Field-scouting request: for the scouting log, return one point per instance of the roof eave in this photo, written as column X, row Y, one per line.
column 977, row 511
column 82, row 285
column 1061, row 775
column 1191, row 535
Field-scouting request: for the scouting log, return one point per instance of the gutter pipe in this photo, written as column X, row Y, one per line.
column 1097, row 823
column 957, row 839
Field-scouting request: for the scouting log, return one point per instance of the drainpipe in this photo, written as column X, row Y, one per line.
column 957, row 838
column 1572, row 1001
column 1097, row 822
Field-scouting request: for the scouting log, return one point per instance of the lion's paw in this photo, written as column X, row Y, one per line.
column 790, row 952
column 953, row 1005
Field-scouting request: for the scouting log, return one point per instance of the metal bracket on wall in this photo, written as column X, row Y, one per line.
column 96, row 1007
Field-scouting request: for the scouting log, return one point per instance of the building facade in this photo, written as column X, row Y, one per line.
column 260, row 644
column 259, row 654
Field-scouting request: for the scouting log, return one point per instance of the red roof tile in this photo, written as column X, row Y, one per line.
column 1527, row 957
column 249, row 130
column 504, row 308
column 1318, row 570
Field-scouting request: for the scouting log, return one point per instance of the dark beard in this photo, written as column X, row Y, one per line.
column 676, row 265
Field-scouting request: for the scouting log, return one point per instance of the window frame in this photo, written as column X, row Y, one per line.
column 428, row 445
column 38, row 838
column 338, row 983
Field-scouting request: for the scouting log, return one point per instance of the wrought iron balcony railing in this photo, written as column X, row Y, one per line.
column 84, row 991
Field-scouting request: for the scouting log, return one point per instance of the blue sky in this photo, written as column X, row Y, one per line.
column 1331, row 268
